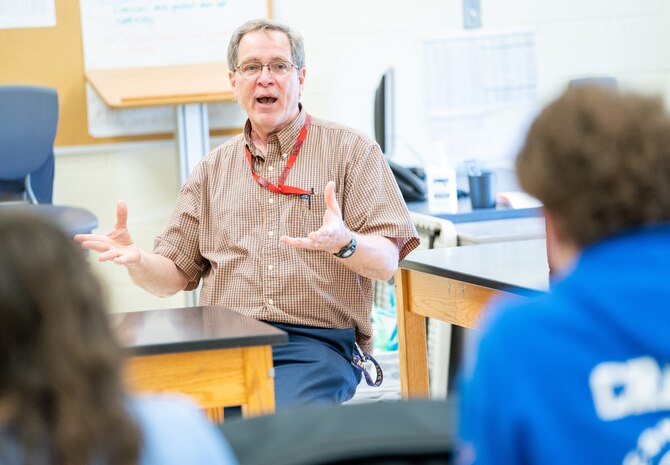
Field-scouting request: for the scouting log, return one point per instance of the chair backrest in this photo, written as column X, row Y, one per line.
column 603, row 81
column 28, row 123
column 378, row 433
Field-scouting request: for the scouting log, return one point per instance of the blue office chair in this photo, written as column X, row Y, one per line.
column 603, row 81
column 28, row 122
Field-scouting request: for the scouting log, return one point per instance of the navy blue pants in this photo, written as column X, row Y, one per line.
column 315, row 366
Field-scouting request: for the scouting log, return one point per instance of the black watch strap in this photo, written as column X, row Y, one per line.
column 348, row 250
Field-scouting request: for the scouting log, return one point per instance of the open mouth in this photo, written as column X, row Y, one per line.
column 266, row 100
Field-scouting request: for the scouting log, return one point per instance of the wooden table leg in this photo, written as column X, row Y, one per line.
column 259, row 379
column 411, row 342
column 419, row 296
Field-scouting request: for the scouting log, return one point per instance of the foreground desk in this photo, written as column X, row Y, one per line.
column 453, row 285
column 189, row 87
column 213, row 354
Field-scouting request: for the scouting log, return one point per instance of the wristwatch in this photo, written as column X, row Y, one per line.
column 348, row 250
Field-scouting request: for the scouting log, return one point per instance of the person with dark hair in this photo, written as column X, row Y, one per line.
column 581, row 375
column 62, row 399
column 288, row 222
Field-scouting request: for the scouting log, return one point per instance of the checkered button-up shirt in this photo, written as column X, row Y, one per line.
column 225, row 228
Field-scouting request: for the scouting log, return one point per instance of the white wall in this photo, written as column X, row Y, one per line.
column 349, row 44
column 145, row 175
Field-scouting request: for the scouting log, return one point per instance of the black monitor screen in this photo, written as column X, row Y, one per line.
column 384, row 114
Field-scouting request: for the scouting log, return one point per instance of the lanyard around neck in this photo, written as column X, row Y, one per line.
column 281, row 188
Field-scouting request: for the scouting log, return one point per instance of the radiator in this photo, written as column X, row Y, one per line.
column 434, row 233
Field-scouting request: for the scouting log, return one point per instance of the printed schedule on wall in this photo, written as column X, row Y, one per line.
column 483, row 91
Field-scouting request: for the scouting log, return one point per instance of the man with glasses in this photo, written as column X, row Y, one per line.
column 288, row 222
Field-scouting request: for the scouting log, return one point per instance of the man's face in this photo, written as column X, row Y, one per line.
column 271, row 102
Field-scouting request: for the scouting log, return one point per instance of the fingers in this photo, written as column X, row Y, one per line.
column 318, row 236
column 301, row 242
column 107, row 252
column 331, row 233
column 102, row 245
column 93, row 242
column 332, row 218
column 90, row 237
column 97, row 246
column 313, row 241
column 114, row 255
column 82, row 237
column 110, row 254
column 121, row 215
column 331, row 199
column 121, row 255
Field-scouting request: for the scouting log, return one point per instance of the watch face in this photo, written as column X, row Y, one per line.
column 348, row 250
column 347, row 253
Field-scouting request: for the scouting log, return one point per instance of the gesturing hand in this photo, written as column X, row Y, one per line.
column 117, row 245
column 332, row 235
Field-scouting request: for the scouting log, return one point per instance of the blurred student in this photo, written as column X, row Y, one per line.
column 62, row 399
column 582, row 375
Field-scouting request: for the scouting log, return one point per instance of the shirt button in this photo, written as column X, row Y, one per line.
column 270, row 267
column 285, row 155
column 271, row 302
column 271, row 200
column 270, row 233
column 270, row 168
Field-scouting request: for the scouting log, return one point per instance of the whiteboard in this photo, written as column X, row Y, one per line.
column 140, row 33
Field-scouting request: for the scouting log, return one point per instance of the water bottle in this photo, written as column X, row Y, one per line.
column 441, row 184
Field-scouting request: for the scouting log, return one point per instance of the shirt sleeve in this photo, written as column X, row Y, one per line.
column 180, row 241
column 372, row 202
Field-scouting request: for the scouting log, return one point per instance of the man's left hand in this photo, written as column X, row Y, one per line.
column 332, row 235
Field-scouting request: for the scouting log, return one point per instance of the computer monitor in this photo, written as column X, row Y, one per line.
column 384, row 113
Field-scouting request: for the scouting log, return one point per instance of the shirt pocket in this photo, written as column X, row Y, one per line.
column 305, row 215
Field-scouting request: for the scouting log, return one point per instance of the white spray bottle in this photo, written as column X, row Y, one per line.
column 441, row 183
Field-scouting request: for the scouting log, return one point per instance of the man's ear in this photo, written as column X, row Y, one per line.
column 301, row 79
column 231, row 78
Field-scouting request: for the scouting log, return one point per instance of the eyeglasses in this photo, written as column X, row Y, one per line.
column 254, row 68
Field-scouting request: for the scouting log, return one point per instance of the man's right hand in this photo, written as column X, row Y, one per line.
column 117, row 245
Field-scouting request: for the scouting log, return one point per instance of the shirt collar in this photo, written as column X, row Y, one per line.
column 286, row 136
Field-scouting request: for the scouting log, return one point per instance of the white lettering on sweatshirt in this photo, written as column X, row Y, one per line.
column 631, row 387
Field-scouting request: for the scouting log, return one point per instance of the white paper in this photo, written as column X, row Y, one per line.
column 139, row 33
column 107, row 122
column 27, row 13
column 481, row 91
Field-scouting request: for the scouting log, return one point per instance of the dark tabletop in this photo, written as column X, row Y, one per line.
column 518, row 266
column 73, row 220
column 191, row 329
column 466, row 214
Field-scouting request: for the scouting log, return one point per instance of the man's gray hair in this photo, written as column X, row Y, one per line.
column 294, row 38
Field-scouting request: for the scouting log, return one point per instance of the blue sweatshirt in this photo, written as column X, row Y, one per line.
column 580, row 375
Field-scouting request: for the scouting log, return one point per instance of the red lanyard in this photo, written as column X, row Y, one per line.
column 281, row 188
